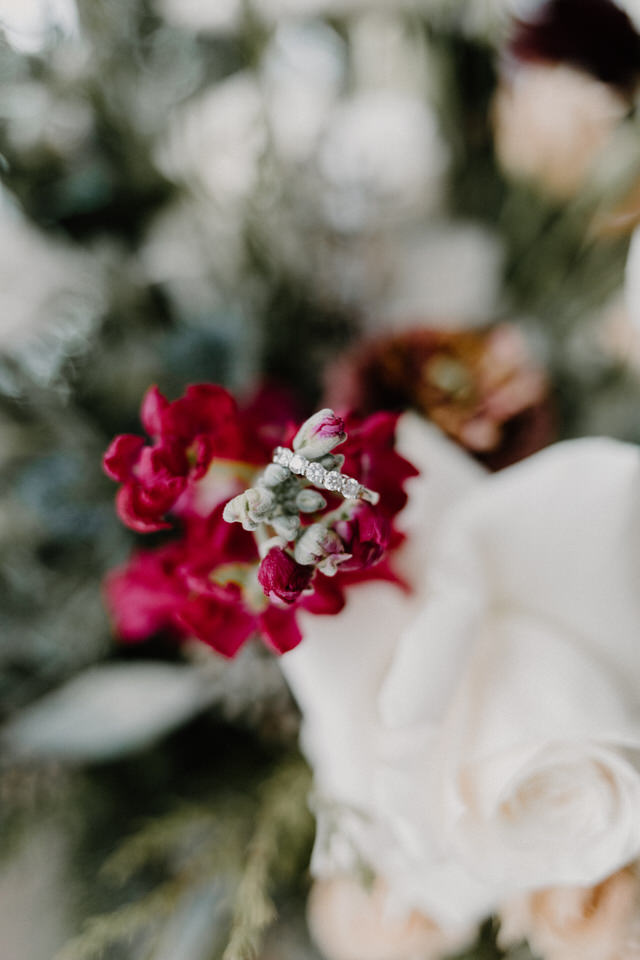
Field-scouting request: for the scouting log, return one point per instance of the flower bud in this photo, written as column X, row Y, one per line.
column 319, row 434
column 310, row 501
column 286, row 526
column 365, row 535
column 274, row 475
column 250, row 508
column 321, row 547
column 281, row 577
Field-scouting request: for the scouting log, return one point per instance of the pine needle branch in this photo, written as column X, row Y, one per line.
column 282, row 831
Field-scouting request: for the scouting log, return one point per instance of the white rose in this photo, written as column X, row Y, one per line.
column 485, row 727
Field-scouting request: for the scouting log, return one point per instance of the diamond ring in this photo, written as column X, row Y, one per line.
column 333, row 480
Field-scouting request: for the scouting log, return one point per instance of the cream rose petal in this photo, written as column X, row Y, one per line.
column 337, row 671
column 538, row 787
column 556, row 537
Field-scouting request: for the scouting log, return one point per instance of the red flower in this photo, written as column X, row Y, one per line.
column 219, row 618
column 174, row 587
column 187, row 434
column 280, row 629
column 202, row 584
column 371, row 456
column 144, row 595
column 366, row 536
column 282, row 578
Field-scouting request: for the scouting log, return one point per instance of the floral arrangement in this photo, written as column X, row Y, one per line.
column 480, row 754
column 295, row 548
column 419, row 219
column 476, row 753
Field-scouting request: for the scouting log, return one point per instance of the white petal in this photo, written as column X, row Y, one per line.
column 557, row 537
column 535, row 709
column 107, row 711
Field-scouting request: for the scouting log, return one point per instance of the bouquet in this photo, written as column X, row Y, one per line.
column 364, row 680
column 469, row 708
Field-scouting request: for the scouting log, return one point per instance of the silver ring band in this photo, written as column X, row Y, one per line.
column 332, row 480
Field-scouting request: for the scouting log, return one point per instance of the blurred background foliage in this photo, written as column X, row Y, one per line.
column 232, row 192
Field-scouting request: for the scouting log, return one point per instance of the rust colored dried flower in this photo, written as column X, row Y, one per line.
column 479, row 386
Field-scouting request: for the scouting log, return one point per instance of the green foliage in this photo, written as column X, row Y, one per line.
column 247, row 848
column 282, row 833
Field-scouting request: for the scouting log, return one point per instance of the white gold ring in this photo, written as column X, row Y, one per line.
column 333, row 480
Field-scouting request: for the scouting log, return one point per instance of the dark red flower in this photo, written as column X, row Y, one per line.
column 327, row 597
column 593, row 35
column 186, row 435
column 122, row 456
column 202, row 584
column 371, row 457
column 366, row 536
column 205, row 423
column 144, row 595
column 280, row 629
column 282, row 578
column 210, row 543
column 219, row 618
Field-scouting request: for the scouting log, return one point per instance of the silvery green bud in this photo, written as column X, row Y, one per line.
column 321, row 547
column 274, row 475
column 310, row 501
column 333, row 461
column 250, row 508
column 319, row 434
column 286, row 526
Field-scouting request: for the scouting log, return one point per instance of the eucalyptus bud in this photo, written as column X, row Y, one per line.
column 274, row 475
column 286, row 526
column 321, row 547
column 310, row 501
column 333, row 461
column 250, row 508
column 319, row 435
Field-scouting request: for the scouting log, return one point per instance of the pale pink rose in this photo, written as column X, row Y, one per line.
column 350, row 922
column 551, row 122
column 578, row 923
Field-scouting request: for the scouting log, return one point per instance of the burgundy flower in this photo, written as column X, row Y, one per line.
column 202, row 583
column 122, row 456
column 209, row 543
column 282, row 578
column 366, row 536
column 205, row 423
column 280, row 629
column 371, row 456
column 186, row 435
column 144, row 595
column 593, row 35
column 219, row 618
column 174, row 588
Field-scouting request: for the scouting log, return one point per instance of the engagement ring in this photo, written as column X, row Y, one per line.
column 333, row 480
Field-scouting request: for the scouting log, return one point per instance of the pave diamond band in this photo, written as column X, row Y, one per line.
column 333, row 480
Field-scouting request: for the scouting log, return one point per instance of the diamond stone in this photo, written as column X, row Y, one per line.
column 282, row 456
column 350, row 488
column 298, row 464
column 316, row 473
column 333, row 480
